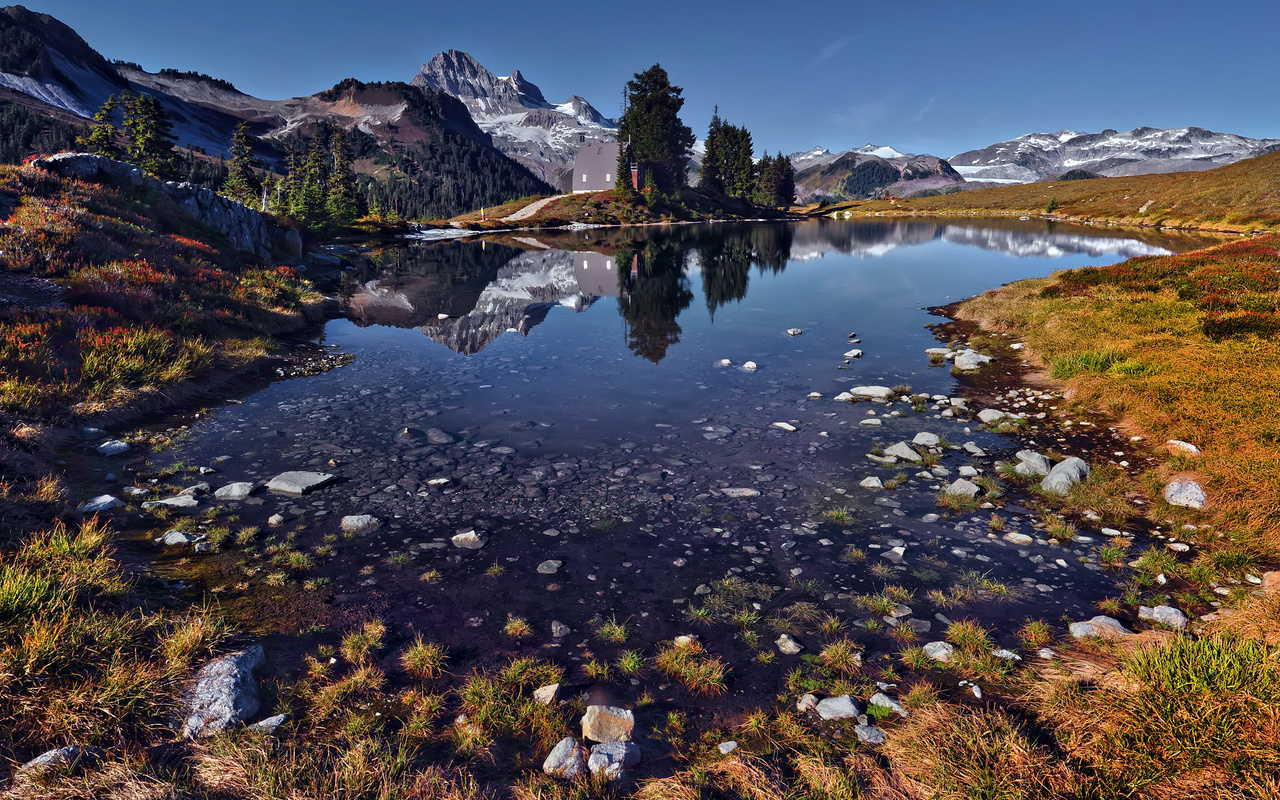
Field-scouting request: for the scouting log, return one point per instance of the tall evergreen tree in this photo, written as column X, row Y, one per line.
column 739, row 164
column 309, row 201
column 101, row 138
column 711, row 176
column 660, row 142
column 148, row 135
column 242, row 182
column 343, row 202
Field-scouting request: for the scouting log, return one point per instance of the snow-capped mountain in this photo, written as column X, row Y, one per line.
column 1142, row 150
column 820, row 156
column 543, row 136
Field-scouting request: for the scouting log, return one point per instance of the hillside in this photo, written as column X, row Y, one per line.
column 870, row 172
column 422, row 152
column 1237, row 197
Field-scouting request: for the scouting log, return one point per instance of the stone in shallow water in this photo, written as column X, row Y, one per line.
column 234, row 491
column 740, row 492
column 926, row 439
column 296, row 484
column 437, row 436
column 990, row 415
column 939, row 651
column 103, row 502
column 963, row 488
column 113, row 447
column 787, row 645
column 1064, row 475
column 882, row 392
column 871, row 483
column 1018, row 538
column 904, row 451
column 842, row 707
column 550, row 567
column 181, row 501
column 174, row 538
column 470, row 539
column 359, row 523
column 786, row 426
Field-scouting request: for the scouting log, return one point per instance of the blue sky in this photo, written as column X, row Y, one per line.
column 925, row 77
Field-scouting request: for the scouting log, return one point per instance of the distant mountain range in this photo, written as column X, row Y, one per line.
column 869, row 171
column 1038, row 156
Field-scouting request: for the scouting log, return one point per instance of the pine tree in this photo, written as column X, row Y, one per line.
column 786, row 180
column 342, row 203
column 242, row 182
column 148, row 135
column 660, row 142
column 102, row 135
column 739, row 165
column 309, row 205
column 711, row 176
column 623, row 188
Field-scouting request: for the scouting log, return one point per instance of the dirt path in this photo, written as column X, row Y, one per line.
column 532, row 208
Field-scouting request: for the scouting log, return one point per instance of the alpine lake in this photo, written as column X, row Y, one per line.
column 582, row 402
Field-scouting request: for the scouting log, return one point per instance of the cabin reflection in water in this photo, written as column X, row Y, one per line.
column 596, row 274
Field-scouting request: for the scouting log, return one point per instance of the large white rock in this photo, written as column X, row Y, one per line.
column 225, row 694
column 113, row 447
column 296, row 483
column 1064, row 475
column 971, row 359
column 613, row 758
column 990, row 415
column 1186, row 493
column 359, row 523
column 963, row 488
column 939, row 651
column 903, row 451
column 1165, row 615
column 103, row 502
column 842, row 707
column 872, row 483
column 234, row 491
column 1185, row 448
column 566, row 760
column 1101, row 626
column 787, row 645
column 1033, row 464
column 470, row 539
column 608, row 724
column 872, row 392
column 927, row 439
column 181, row 501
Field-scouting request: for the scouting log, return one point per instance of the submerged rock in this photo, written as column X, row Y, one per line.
column 103, row 502
column 296, row 484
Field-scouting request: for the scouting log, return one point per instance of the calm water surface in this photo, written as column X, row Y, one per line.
column 575, row 401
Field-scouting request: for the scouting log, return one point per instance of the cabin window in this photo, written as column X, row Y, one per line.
column 584, row 177
column 608, row 176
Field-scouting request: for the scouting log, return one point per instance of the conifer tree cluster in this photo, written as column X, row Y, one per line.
column 146, row 130
column 729, row 167
column 319, row 187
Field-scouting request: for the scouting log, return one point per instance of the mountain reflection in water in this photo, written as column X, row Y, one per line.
column 466, row 294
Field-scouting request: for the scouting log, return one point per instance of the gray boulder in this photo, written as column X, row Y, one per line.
column 885, row 701
column 1164, row 615
column 470, row 539
column 903, row 451
column 175, row 538
column 971, row 359
column 869, row 734
column 1100, row 626
column 939, row 651
column 990, row 415
column 296, row 483
column 1064, row 475
column 179, row 502
column 225, row 694
column 359, row 523
column 234, row 491
column 566, row 760
column 612, row 759
column 926, row 439
column 1033, row 464
column 113, row 447
column 103, row 502
column 787, row 645
column 842, row 707
column 1186, row 493
column 963, row 488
